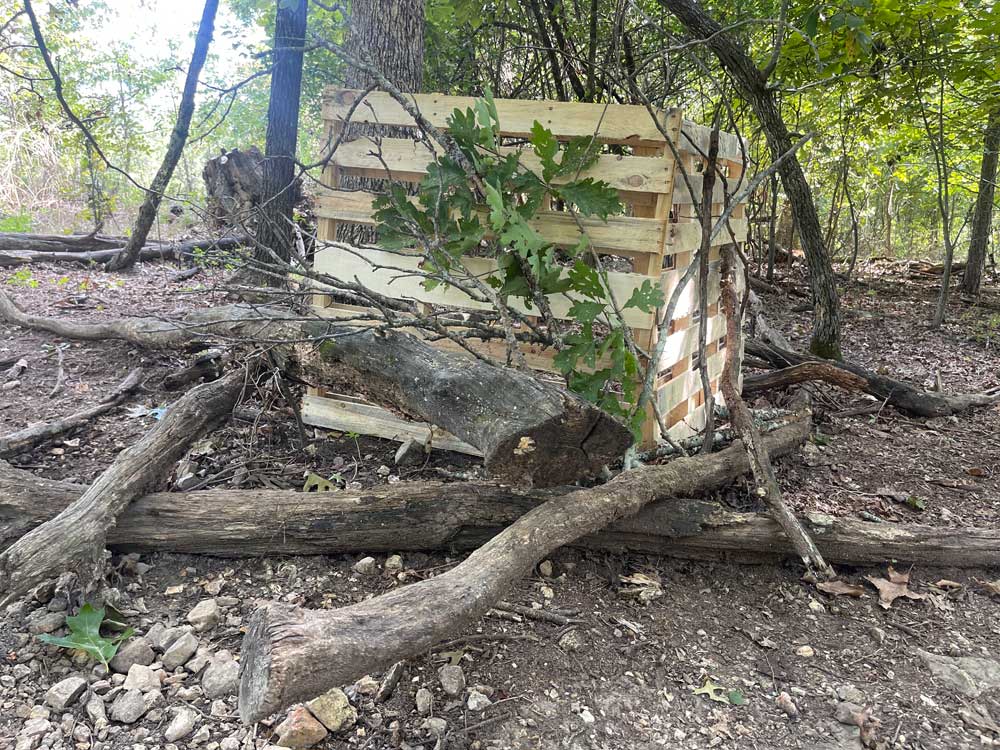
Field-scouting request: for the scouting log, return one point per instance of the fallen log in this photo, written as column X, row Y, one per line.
column 75, row 539
column 156, row 251
column 460, row 516
column 290, row 654
column 29, row 437
column 754, row 385
column 530, row 431
column 904, row 396
column 58, row 243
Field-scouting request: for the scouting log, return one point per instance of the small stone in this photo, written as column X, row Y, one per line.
column 95, row 709
column 786, row 704
column 410, row 451
column 219, row 708
column 587, row 716
column 383, row 471
column 389, row 681
column 334, row 710
column 300, row 729
column 849, row 713
column 229, row 743
column 452, row 679
column 201, row 659
column 205, row 615
column 571, row 640
column 202, row 736
column 63, row 694
column 133, row 651
column 850, row 693
column 221, row 678
column 479, row 702
column 425, row 701
column 128, row 707
column 46, row 622
column 546, row 568
column 367, row 685
column 142, row 678
column 806, row 651
column 364, row 566
column 163, row 639
column 180, row 651
column 435, row 725
column 394, row 563
column 20, row 671
column 181, row 725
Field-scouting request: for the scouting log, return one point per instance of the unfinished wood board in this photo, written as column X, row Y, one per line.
column 335, row 413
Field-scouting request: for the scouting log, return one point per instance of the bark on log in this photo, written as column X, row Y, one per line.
column 75, row 538
column 429, row 516
column 57, row 243
column 530, row 432
column 754, row 385
column 155, row 251
column 904, row 396
column 290, row 654
column 29, row 437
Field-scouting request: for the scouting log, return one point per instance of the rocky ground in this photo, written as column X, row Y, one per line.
column 607, row 651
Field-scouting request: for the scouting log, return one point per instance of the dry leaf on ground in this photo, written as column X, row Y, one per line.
column 895, row 587
column 840, row 588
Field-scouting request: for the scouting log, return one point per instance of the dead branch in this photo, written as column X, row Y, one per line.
column 754, row 385
column 29, row 437
column 12, row 255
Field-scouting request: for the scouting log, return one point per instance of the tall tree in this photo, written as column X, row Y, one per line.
column 982, row 218
column 178, row 137
column 752, row 83
column 278, row 192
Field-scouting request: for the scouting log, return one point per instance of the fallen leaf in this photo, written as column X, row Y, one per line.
column 992, row 587
column 840, row 588
column 174, row 590
column 316, row 483
column 977, row 471
column 714, row 691
column 643, row 587
column 895, row 587
column 944, row 583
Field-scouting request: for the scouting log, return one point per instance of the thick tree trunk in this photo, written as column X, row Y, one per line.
column 75, row 539
column 155, row 251
column 904, row 396
column 982, row 218
column 753, row 86
column 434, row 516
column 529, row 431
column 278, row 194
column 178, row 137
column 291, row 654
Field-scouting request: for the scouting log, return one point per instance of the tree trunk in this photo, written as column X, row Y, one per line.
column 278, row 194
column 753, row 86
column 529, row 431
column 178, row 137
column 291, row 654
column 982, row 218
column 75, row 539
column 435, row 516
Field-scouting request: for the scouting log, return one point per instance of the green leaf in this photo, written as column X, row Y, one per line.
column 592, row 198
column 586, row 280
column 85, row 635
column 498, row 216
column 578, row 154
column 586, row 312
column 646, row 297
column 546, row 147
column 737, row 698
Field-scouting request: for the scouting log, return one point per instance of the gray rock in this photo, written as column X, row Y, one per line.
column 300, row 729
column 410, row 452
column 133, row 651
column 851, row 694
column 128, row 707
column 221, row 678
column 229, row 743
column 95, row 708
column 64, row 694
column 478, row 702
column 142, row 678
column 35, row 727
column 452, row 679
column 435, row 725
column 199, row 661
column 181, row 725
column 205, row 615
column 163, row 638
column 365, row 566
column 425, row 701
column 969, row 675
column 394, row 563
column 201, row 736
column 46, row 622
column 180, row 651
column 848, row 713
column 334, row 710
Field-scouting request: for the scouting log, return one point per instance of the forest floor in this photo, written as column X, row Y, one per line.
column 797, row 668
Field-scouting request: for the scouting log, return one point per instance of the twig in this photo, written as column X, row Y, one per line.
column 60, row 372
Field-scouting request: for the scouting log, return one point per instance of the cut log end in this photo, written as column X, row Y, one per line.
column 255, row 668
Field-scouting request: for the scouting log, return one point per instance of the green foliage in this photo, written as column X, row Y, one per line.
column 448, row 219
column 15, row 223
column 23, row 277
column 85, row 635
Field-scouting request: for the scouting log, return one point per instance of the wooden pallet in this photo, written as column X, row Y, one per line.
column 658, row 234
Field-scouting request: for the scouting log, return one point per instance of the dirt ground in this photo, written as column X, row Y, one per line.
column 796, row 668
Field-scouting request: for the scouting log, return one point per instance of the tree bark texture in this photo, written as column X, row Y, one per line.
column 530, row 431
column 982, row 217
column 435, row 516
column 753, row 86
column 155, row 251
column 904, row 396
column 75, row 539
column 58, row 243
column 178, row 137
column 291, row 654
column 278, row 194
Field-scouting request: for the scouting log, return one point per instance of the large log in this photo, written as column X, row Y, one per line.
column 290, row 654
column 435, row 516
column 75, row 539
column 530, row 431
column 11, row 255
column 58, row 243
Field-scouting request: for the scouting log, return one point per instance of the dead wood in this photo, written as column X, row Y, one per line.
column 29, row 437
column 429, row 516
column 754, row 385
column 530, row 431
column 58, row 243
column 906, row 397
column 744, row 426
column 75, row 539
column 290, row 653
column 10, row 255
